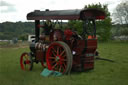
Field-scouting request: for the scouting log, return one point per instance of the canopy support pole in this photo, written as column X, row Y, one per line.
column 37, row 30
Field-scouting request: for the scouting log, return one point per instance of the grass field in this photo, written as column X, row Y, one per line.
column 104, row 73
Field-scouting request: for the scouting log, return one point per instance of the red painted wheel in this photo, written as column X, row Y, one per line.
column 59, row 57
column 26, row 62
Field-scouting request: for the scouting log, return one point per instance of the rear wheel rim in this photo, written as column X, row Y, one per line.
column 58, row 57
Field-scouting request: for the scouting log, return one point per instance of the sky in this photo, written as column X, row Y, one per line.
column 16, row 10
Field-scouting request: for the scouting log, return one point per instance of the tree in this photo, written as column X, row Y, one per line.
column 120, row 16
column 121, row 13
column 103, row 27
column 76, row 26
column 23, row 37
column 10, row 30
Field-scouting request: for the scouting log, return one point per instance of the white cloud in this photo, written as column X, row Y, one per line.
column 6, row 7
column 22, row 7
column 4, row 3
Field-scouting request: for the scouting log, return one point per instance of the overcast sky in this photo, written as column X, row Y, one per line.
column 16, row 10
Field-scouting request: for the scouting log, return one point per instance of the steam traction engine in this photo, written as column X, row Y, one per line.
column 63, row 51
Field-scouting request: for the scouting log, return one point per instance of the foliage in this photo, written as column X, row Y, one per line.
column 76, row 26
column 121, row 13
column 10, row 30
column 103, row 27
column 23, row 37
column 120, row 30
column 120, row 16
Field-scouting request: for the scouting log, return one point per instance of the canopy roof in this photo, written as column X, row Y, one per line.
column 77, row 14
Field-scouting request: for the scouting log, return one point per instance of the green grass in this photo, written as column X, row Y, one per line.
column 4, row 43
column 104, row 73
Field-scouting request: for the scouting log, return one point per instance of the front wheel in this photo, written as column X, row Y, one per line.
column 26, row 62
column 59, row 57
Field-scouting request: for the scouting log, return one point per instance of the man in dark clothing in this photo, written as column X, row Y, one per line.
column 47, row 27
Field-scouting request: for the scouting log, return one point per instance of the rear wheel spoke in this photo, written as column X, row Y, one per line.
column 54, row 50
column 53, row 54
column 64, row 65
column 62, row 52
column 60, row 69
column 51, row 57
column 54, row 65
column 52, row 62
column 64, row 56
column 57, row 50
column 63, row 59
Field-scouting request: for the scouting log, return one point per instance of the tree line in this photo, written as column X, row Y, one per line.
column 10, row 30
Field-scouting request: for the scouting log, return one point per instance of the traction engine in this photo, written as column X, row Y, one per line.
column 63, row 50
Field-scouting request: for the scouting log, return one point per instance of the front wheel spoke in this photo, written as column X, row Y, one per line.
column 27, row 62
column 26, row 57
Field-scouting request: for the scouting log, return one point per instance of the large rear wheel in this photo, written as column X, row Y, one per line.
column 59, row 57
